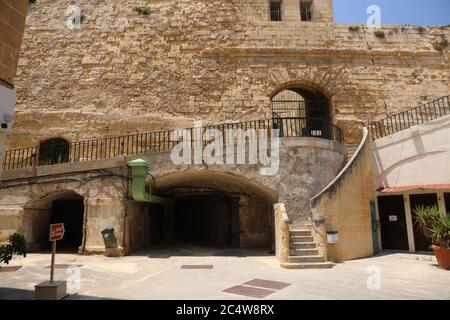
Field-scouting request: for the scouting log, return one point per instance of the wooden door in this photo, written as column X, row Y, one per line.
column 393, row 222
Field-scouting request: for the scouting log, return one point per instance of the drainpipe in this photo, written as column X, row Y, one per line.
column 139, row 169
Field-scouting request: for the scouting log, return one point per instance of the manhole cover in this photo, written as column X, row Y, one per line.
column 268, row 284
column 64, row 266
column 206, row 266
column 10, row 269
column 249, row 291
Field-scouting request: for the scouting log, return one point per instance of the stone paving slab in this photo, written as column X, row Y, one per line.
column 159, row 277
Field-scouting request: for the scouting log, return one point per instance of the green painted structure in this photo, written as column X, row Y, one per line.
column 139, row 170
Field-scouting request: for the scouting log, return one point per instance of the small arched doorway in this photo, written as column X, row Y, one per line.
column 302, row 102
column 54, row 151
column 57, row 207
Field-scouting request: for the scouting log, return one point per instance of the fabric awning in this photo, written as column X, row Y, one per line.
column 409, row 188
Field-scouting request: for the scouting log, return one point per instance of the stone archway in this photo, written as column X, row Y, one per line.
column 207, row 208
column 301, row 101
column 65, row 206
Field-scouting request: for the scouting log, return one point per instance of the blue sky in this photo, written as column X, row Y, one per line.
column 416, row 12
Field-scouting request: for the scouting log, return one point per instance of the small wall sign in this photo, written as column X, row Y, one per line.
column 393, row 218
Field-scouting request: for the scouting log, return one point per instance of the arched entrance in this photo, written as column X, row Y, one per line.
column 302, row 102
column 59, row 207
column 304, row 110
column 206, row 217
column 208, row 209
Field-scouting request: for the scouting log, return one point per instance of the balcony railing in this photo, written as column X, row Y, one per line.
column 411, row 117
column 161, row 141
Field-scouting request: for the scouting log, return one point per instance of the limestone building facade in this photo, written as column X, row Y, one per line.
column 140, row 67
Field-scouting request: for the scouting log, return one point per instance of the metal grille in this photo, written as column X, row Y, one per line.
column 275, row 10
column 249, row 291
column 10, row 268
column 53, row 151
column 267, row 284
column 197, row 267
column 306, row 10
column 301, row 109
column 65, row 266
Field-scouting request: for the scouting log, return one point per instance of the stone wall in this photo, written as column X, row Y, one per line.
column 256, row 222
column 307, row 165
column 213, row 60
column 12, row 23
column 344, row 206
column 26, row 199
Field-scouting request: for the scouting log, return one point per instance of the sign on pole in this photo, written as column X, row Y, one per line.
column 56, row 231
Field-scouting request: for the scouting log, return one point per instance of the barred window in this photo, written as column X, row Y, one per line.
column 306, row 10
column 275, row 10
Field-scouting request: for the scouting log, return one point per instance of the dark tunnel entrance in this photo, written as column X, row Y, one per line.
column 70, row 212
column 207, row 220
column 204, row 211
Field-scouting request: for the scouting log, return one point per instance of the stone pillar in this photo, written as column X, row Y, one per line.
column 281, row 233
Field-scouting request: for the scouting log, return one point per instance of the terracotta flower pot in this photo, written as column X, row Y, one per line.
column 442, row 257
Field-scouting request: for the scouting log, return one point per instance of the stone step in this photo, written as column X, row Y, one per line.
column 313, row 265
column 302, row 245
column 297, row 233
column 301, row 239
column 351, row 149
column 303, row 252
column 305, row 259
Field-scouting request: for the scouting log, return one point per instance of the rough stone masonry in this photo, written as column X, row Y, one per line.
column 126, row 72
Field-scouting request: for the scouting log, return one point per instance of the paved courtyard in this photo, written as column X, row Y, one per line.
column 205, row 273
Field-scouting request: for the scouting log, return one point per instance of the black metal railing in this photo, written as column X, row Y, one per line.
column 411, row 117
column 162, row 141
column 302, row 109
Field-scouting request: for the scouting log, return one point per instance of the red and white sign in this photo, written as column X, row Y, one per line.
column 56, row 231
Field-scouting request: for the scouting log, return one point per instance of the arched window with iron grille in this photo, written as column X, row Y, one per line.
column 53, row 151
column 307, row 106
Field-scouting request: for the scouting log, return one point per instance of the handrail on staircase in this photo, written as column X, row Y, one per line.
column 406, row 119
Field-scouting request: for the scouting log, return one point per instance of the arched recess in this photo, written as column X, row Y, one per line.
column 65, row 206
column 211, row 209
column 54, row 151
column 301, row 101
column 302, row 110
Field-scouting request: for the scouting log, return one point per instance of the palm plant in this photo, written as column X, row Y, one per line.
column 433, row 224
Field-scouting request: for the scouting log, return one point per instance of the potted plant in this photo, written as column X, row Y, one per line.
column 16, row 246
column 437, row 227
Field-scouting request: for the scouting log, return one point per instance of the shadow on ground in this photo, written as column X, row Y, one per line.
column 183, row 250
column 22, row 294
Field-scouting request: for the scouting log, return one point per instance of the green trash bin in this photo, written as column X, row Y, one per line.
column 109, row 238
